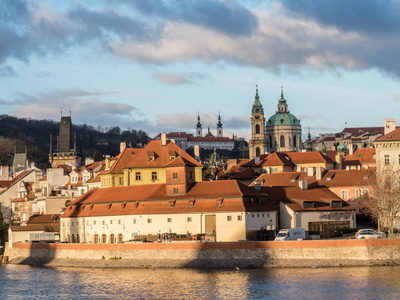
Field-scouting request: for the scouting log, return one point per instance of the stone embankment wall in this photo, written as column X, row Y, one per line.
column 322, row 253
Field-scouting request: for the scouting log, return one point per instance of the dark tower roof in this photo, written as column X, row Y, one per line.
column 65, row 137
column 198, row 121
column 219, row 121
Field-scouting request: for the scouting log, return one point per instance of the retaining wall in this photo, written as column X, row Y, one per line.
column 211, row 255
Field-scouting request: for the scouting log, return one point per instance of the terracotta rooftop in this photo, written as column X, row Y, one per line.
column 152, row 199
column 360, row 156
column 391, row 136
column 308, row 157
column 294, row 197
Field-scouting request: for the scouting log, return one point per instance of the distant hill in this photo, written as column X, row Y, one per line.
column 35, row 135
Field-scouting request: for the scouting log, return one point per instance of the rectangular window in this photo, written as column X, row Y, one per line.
column 252, row 215
column 121, row 181
column 169, row 220
column 119, row 222
column 111, row 222
column 258, row 215
column 94, row 222
column 190, row 174
column 387, row 159
column 104, row 222
column 175, row 175
column 345, row 195
column 229, row 218
column 134, row 221
column 239, row 218
column 399, row 159
column 138, row 176
column 149, row 221
column 189, row 219
column 154, row 176
column 175, row 190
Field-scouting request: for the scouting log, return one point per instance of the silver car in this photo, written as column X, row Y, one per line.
column 369, row 234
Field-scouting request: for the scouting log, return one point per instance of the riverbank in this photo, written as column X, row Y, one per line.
column 321, row 253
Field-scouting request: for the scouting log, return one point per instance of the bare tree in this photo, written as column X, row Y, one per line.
column 384, row 203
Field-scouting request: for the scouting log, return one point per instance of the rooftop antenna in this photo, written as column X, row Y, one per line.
column 70, row 111
column 61, row 111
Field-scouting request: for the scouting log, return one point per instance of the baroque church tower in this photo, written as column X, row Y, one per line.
column 258, row 141
column 219, row 127
column 198, row 126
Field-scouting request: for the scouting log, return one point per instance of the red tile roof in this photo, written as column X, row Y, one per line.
column 161, row 156
column 308, row 157
column 346, row 178
column 294, row 197
column 152, row 199
column 391, row 136
column 360, row 156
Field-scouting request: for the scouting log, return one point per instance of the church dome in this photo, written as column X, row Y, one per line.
column 341, row 147
column 282, row 116
column 282, row 119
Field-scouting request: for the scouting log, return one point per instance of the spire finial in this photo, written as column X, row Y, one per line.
column 282, row 91
column 61, row 111
column 257, row 89
column 70, row 111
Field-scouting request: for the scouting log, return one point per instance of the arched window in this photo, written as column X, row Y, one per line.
column 120, row 238
column 257, row 128
column 103, row 238
column 112, row 238
column 96, row 239
column 294, row 141
column 73, row 238
column 68, row 239
column 270, row 142
column 77, row 238
column 258, row 152
column 282, row 141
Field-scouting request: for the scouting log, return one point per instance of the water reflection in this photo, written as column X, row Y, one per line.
column 24, row 282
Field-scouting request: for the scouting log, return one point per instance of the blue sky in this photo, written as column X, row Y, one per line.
column 154, row 64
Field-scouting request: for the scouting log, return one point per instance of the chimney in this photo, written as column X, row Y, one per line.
column 197, row 152
column 122, row 147
column 351, row 148
column 303, row 184
column 163, row 139
column 318, row 173
column 339, row 161
column 107, row 162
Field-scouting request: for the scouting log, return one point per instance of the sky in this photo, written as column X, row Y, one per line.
column 155, row 65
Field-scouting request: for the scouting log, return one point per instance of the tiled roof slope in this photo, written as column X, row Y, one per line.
column 294, row 196
column 360, row 156
column 308, row 157
column 343, row 178
column 269, row 160
column 391, row 136
column 161, row 155
column 152, row 199
column 123, row 159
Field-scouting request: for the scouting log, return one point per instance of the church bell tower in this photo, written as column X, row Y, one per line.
column 258, row 142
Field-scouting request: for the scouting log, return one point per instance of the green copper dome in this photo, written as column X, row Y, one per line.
column 341, row 147
column 282, row 119
column 282, row 116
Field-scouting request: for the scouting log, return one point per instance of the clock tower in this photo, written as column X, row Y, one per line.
column 258, row 141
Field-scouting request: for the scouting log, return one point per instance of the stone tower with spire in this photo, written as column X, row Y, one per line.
column 198, row 126
column 66, row 152
column 220, row 130
column 258, row 141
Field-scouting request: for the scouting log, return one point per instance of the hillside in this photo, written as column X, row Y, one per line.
column 35, row 135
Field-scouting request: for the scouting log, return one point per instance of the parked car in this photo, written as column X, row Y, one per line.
column 292, row 234
column 369, row 234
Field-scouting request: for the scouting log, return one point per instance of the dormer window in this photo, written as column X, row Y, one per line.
column 219, row 202
column 336, row 204
column 172, row 203
column 150, row 155
column 172, row 155
column 309, row 204
column 191, row 202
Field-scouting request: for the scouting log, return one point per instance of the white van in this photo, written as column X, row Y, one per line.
column 292, row 234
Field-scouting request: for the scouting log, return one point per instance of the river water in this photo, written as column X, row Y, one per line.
column 24, row 282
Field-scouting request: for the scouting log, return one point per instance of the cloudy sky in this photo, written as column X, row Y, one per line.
column 154, row 64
